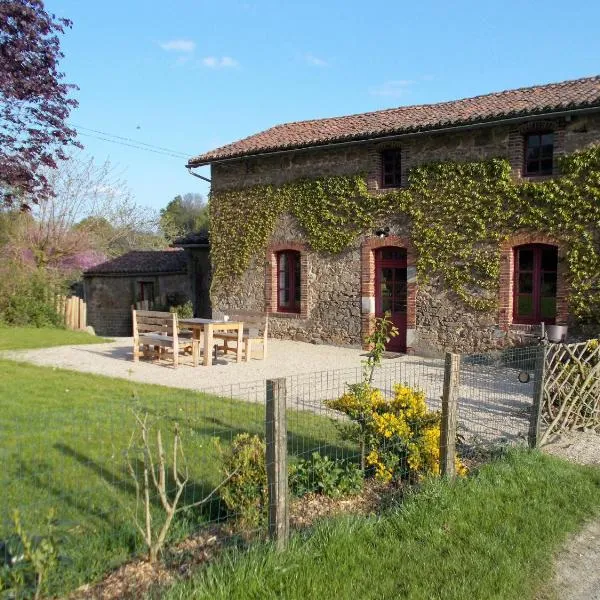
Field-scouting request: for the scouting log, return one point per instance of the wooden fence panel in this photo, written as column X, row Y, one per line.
column 73, row 311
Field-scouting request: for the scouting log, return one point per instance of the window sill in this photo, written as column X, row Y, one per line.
column 286, row 315
column 535, row 178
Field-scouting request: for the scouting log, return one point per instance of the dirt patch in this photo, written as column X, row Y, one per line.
column 580, row 447
column 138, row 577
column 576, row 572
column 306, row 511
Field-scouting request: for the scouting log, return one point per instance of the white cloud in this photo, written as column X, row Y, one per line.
column 179, row 46
column 393, row 88
column 315, row 61
column 224, row 62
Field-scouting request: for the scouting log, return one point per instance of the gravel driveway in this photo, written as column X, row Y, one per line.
column 493, row 405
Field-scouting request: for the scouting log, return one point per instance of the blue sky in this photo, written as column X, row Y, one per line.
column 190, row 75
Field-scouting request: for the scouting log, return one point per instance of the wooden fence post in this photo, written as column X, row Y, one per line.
column 277, row 473
column 535, row 420
column 449, row 415
column 82, row 314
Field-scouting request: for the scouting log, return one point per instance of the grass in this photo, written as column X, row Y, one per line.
column 25, row 338
column 64, row 435
column 488, row 537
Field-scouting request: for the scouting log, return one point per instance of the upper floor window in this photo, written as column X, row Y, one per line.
column 536, row 270
column 391, row 173
column 288, row 281
column 539, row 150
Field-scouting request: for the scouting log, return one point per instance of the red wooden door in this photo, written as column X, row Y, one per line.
column 390, row 291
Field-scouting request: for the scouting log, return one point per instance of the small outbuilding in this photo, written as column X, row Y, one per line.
column 112, row 287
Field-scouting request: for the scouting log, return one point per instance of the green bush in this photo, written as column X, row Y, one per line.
column 245, row 494
column 183, row 311
column 26, row 561
column 27, row 297
column 322, row 475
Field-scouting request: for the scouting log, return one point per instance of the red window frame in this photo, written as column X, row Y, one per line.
column 391, row 168
column 529, row 162
column 537, row 275
column 289, row 276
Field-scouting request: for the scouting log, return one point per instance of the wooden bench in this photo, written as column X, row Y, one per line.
column 256, row 329
column 160, row 330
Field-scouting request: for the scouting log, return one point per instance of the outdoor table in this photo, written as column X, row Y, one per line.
column 208, row 326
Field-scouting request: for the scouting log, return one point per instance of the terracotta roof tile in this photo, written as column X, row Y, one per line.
column 197, row 238
column 578, row 93
column 143, row 261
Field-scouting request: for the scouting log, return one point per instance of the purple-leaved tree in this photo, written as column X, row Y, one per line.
column 34, row 101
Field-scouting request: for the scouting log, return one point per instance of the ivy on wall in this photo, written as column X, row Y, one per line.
column 459, row 213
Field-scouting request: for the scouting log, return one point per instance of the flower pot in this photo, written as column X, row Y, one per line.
column 556, row 333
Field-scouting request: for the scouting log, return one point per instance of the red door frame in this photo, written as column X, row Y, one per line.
column 397, row 344
column 537, row 274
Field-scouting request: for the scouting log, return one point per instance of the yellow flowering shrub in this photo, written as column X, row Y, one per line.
column 400, row 436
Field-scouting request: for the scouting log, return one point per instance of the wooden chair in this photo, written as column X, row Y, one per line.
column 256, row 330
column 159, row 330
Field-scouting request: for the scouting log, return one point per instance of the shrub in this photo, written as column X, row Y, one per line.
column 245, row 493
column 183, row 311
column 401, row 435
column 27, row 297
column 26, row 561
column 322, row 475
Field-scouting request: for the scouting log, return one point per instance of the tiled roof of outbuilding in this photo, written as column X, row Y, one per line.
column 142, row 261
column 198, row 238
column 541, row 99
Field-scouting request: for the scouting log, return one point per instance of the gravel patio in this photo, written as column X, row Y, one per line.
column 493, row 404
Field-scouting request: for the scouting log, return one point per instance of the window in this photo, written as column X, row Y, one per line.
column 288, row 281
column 539, row 148
column 536, row 269
column 391, row 174
column 145, row 290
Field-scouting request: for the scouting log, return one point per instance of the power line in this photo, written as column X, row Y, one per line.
column 130, row 142
column 177, row 156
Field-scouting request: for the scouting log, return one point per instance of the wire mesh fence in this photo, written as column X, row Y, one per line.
column 496, row 397
column 89, row 461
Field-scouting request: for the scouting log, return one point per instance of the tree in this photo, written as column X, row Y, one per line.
column 91, row 216
column 183, row 215
column 34, row 101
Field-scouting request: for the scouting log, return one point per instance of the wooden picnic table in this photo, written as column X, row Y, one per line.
column 208, row 326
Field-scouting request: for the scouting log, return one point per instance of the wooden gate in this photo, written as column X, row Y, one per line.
column 571, row 388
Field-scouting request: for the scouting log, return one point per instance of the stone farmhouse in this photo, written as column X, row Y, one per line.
column 267, row 231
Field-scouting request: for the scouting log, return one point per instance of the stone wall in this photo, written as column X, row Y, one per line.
column 109, row 298
column 333, row 293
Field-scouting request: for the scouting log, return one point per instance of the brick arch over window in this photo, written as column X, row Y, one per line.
column 271, row 278
column 507, row 276
column 368, row 283
column 517, row 137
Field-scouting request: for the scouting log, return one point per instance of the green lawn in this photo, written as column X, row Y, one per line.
column 17, row 338
column 63, row 440
column 488, row 537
